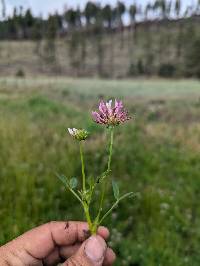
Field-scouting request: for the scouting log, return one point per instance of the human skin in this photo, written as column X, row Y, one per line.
column 58, row 242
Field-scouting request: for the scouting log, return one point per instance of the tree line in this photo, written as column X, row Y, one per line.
column 95, row 21
column 22, row 24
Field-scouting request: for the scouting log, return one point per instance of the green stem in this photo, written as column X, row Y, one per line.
column 108, row 170
column 110, row 149
column 115, row 204
column 74, row 193
column 87, row 215
column 82, row 166
column 85, row 204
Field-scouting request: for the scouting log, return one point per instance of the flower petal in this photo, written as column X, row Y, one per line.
column 70, row 131
column 109, row 115
column 102, row 107
column 97, row 118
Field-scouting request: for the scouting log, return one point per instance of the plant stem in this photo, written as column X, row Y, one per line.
column 110, row 148
column 74, row 193
column 90, row 224
column 115, row 204
column 82, row 166
column 108, row 170
column 85, row 204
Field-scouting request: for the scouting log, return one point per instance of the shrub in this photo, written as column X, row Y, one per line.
column 167, row 70
column 20, row 73
column 140, row 67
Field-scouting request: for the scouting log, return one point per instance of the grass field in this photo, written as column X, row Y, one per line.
column 156, row 155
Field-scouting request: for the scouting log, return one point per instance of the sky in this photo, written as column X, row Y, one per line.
column 44, row 7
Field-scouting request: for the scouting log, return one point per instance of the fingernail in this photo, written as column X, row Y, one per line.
column 95, row 249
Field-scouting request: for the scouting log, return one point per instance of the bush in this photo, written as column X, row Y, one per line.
column 137, row 69
column 20, row 73
column 166, row 70
column 140, row 67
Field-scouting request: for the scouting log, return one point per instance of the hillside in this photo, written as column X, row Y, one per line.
column 147, row 48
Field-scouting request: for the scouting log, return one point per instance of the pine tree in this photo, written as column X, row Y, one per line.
column 37, row 35
column 107, row 16
column 148, row 8
column 177, row 8
column 71, row 18
column 120, row 10
column 3, row 4
column 91, row 12
column 132, row 13
column 50, row 38
column 180, row 30
column 108, row 20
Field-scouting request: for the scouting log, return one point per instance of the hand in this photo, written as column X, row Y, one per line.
column 58, row 242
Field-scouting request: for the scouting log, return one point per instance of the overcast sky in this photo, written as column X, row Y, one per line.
column 45, row 7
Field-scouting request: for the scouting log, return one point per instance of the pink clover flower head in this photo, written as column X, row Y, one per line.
column 78, row 134
column 109, row 114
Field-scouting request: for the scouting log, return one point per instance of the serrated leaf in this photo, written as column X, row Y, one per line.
column 73, row 182
column 63, row 179
column 115, row 189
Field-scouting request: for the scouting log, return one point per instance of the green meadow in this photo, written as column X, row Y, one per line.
column 156, row 155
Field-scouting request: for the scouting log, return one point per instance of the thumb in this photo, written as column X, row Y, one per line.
column 91, row 253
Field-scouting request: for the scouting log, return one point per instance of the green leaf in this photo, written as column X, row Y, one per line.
column 115, row 189
column 63, row 179
column 90, row 181
column 73, row 182
column 128, row 195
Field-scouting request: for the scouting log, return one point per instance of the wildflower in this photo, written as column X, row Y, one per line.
column 79, row 134
column 110, row 115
